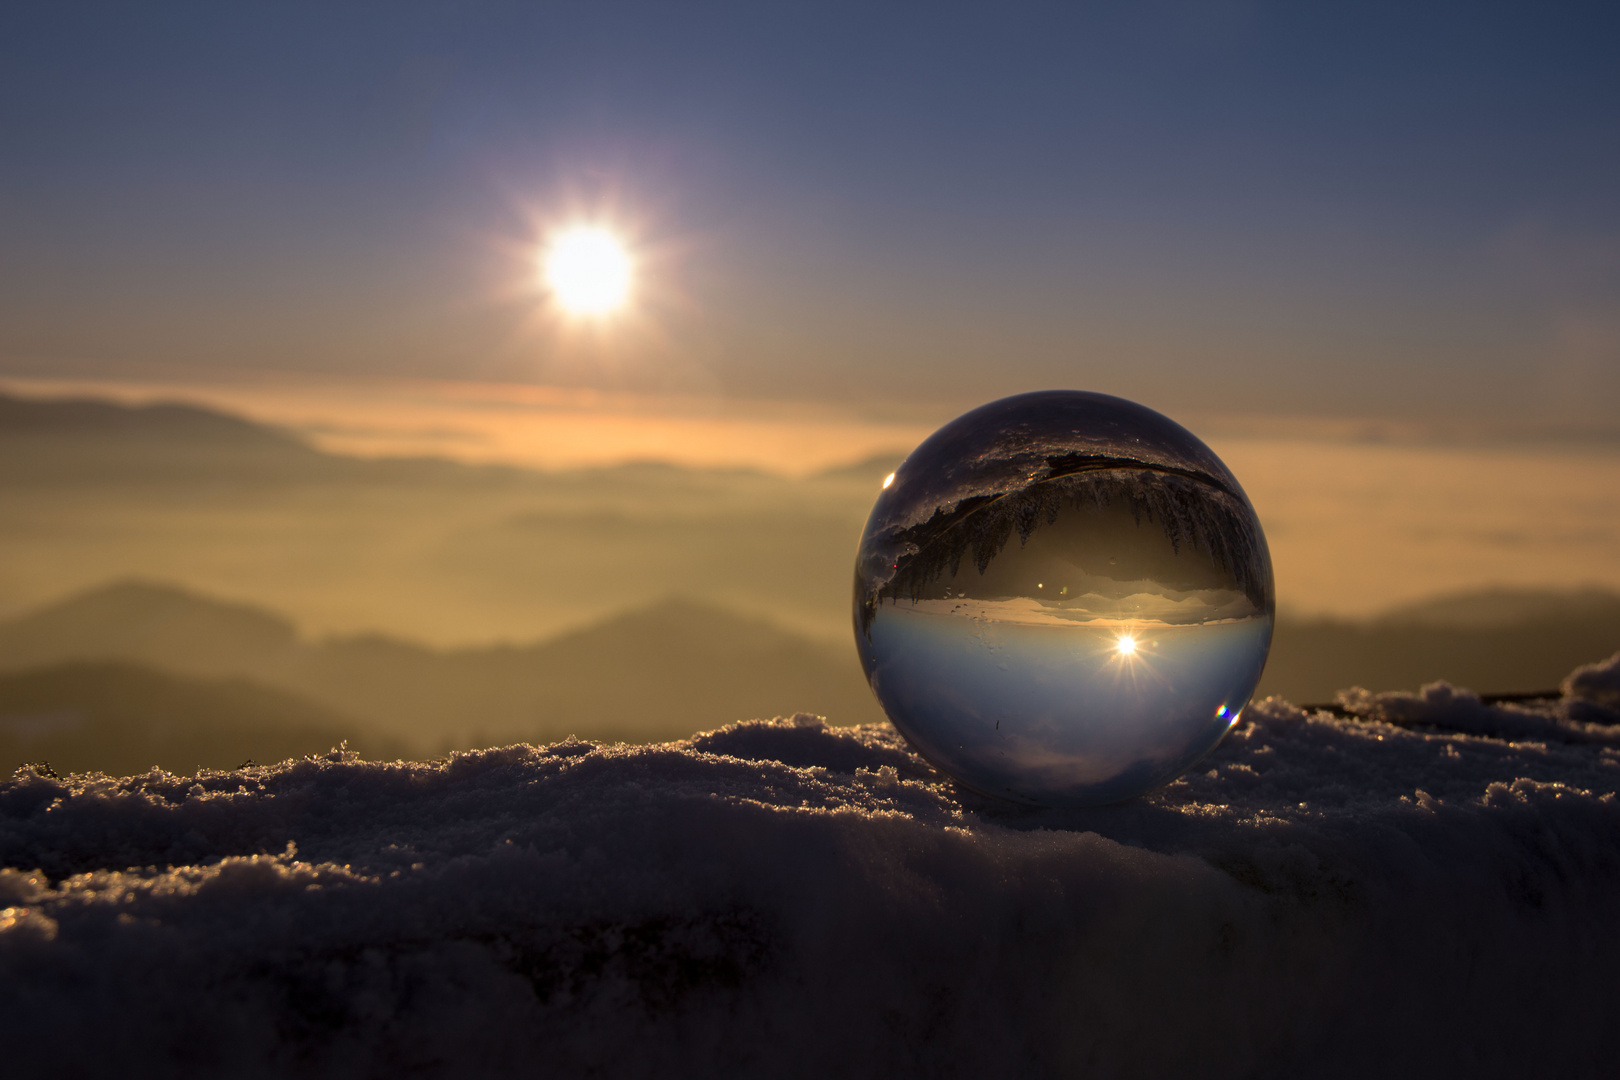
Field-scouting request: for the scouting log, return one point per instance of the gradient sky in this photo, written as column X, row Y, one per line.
column 1403, row 210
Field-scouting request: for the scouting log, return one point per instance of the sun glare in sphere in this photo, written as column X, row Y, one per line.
column 588, row 270
column 1126, row 645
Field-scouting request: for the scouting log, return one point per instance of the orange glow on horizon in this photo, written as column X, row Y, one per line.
column 527, row 425
column 1327, row 505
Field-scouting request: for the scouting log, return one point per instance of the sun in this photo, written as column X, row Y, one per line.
column 588, row 270
column 1126, row 645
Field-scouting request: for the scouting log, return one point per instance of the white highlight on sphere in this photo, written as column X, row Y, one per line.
column 588, row 270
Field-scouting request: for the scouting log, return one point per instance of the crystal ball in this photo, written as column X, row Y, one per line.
column 1063, row 599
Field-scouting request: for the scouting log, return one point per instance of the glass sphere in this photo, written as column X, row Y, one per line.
column 1063, row 598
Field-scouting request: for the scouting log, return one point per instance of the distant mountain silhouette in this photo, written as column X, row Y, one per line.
column 1487, row 609
column 662, row 671
column 150, row 623
column 425, row 548
column 122, row 718
column 94, row 489
column 659, row 672
column 1493, row 641
column 87, row 441
column 72, row 442
column 81, row 418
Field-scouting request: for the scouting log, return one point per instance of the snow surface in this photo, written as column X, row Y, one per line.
column 1429, row 886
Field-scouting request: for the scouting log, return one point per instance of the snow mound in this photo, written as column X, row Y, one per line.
column 1424, row 887
column 1597, row 683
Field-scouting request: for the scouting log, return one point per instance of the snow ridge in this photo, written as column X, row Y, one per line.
column 1428, row 886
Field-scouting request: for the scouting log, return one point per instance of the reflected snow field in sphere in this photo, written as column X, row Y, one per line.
column 1063, row 598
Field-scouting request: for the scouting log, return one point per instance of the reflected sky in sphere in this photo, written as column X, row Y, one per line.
column 1063, row 598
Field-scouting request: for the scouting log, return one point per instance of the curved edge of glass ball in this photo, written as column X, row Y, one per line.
column 1023, row 695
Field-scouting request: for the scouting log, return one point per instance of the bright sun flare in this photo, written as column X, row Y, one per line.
column 1126, row 645
column 588, row 270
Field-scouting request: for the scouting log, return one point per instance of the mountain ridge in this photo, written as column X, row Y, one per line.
column 676, row 665
column 659, row 671
column 89, row 416
column 123, row 718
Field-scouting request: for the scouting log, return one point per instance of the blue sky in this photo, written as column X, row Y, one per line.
column 1400, row 209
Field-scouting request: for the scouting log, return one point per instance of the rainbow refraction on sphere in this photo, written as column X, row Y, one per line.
column 1063, row 598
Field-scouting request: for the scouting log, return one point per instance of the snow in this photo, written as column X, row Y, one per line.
column 1596, row 683
column 1424, row 886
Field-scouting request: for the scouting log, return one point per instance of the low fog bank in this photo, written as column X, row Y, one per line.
column 427, row 550
column 455, row 556
column 1425, row 885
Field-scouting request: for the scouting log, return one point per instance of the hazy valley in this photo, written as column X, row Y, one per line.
column 185, row 588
